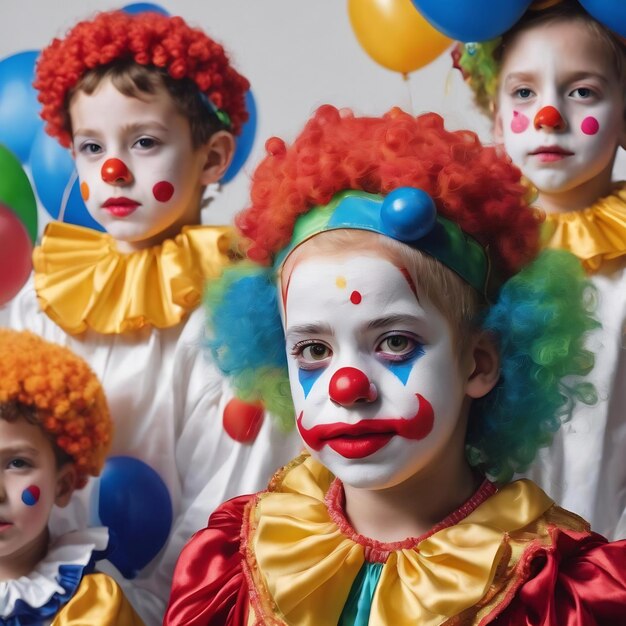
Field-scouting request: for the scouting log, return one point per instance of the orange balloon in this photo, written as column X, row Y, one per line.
column 395, row 34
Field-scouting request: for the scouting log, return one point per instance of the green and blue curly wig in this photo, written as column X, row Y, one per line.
column 359, row 173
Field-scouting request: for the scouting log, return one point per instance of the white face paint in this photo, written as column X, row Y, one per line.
column 163, row 182
column 561, row 65
column 406, row 393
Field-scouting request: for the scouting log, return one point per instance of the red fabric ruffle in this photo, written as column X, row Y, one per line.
column 209, row 587
column 578, row 581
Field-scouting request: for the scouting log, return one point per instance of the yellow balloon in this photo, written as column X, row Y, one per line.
column 395, row 34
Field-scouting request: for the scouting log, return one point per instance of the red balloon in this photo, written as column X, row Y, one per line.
column 243, row 420
column 15, row 254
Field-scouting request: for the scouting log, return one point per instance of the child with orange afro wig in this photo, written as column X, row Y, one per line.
column 395, row 287
column 150, row 107
column 55, row 430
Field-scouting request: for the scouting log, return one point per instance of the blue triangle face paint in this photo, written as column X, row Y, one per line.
column 402, row 369
column 307, row 378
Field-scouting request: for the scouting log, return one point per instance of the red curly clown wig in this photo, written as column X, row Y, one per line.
column 538, row 316
column 470, row 184
column 148, row 39
column 66, row 396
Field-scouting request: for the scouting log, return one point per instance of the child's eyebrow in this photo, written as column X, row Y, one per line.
column 517, row 77
column 393, row 320
column 18, row 449
column 127, row 128
column 582, row 74
column 139, row 126
column 315, row 328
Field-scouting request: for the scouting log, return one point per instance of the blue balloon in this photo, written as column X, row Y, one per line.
column 19, row 109
column 144, row 7
column 135, row 505
column 245, row 141
column 469, row 20
column 56, row 182
column 611, row 13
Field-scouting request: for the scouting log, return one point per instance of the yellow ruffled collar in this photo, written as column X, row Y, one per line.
column 596, row 234
column 83, row 281
column 302, row 560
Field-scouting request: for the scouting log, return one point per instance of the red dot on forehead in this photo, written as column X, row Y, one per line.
column 355, row 297
column 163, row 191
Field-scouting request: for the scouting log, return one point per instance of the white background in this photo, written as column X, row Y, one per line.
column 297, row 55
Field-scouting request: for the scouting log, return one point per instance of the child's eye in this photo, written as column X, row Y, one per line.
column 19, row 464
column 311, row 354
column 90, row 147
column 523, row 93
column 398, row 347
column 582, row 93
column 145, row 143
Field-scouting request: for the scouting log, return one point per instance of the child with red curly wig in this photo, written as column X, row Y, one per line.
column 151, row 108
column 55, row 429
column 395, row 286
column 555, row 87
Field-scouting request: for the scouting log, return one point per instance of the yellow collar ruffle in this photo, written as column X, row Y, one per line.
column 302, row 564
column 82, row 280
column 595, row 234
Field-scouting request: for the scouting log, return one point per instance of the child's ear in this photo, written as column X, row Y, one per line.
column 485, row 368
column 219, row 150
column 65, row 485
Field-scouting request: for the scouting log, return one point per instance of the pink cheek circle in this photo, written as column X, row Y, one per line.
column 519, row 123
column 30, row 495
column 163, row 191
column 590, row 126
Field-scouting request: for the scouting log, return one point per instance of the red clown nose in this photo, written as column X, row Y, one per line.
column 349, row 386
column 549, row 117
column 115, row 171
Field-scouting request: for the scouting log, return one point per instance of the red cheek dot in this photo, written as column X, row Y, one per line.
column 84, row 191
column 355, row 297
column 590, row 126
column 163, row 191
column 519, row 123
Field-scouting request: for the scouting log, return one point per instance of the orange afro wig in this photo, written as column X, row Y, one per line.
column 149, row 39
column 66, row 395
column 471, row 185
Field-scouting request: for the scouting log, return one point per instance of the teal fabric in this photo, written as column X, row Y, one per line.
column 356, row 612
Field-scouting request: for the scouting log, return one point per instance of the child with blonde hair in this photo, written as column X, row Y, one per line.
column 395, row 286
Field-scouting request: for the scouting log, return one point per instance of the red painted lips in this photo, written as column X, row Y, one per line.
column 120, row 207
column 357, row 441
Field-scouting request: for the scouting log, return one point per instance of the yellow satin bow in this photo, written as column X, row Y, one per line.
column 303, row 566
column 83, row 281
